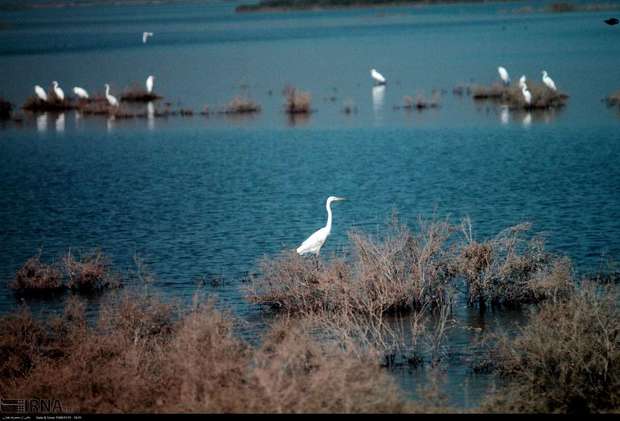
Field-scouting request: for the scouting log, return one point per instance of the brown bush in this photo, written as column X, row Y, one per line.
column 510, row 269
column 36, row 276
column 565, row 359
column 240, row 105
column 296, row 101
column 136, row 93
column 542, row 97
column 144, row 355
column 613, row 99
column 91, row 272
column 53, row 103
column 420, row 102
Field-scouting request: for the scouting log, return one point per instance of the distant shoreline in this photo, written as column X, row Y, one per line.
column 308, row 5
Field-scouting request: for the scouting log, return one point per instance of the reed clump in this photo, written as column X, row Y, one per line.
column 297, row 101
column 36, row 276
column 92, row 272
column 565, row 359
column 511, row 268
column 420, row 102
column 144, row 355
column 241, row 105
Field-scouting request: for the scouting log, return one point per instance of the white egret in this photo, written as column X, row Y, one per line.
column 149, row 83
column 548, row 81
column 58, row 91
column 145, row 36
column 378, row 77
column 40, row 92
column 314, row 243
column 527, row 95
column 522, row 81
column 503, row 74
column 111, row 99
column 81, row 93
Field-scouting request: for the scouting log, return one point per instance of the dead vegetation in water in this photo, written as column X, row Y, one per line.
column 420, row 102
column 5, row 109
column 542, row 97
column 144, row 355
column 405, row 270
column 511, row 268
column 53, row 103
column 241, row 105
column 136, row 93
column 91, row 272
column 566, row 358
column 613, row 99
column 297, row 101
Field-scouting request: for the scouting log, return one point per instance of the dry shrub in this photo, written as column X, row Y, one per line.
column 613, row 99
column 542, row 97
column 5, row 109
column 296, row 101
column 53, row 103
column 91, row 272
column 402, row 271
column 144, row 355
column 136, row 93
column 510, row 269
column 565, row 359
column 240, row 105
column 36, row 276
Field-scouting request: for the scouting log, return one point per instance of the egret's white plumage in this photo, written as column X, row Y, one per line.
column 522, row 81
column 40, row 92
column 527, row 95
column 378, row 77
column 314, row 243
column 145, row 36
column 548, row 81
column 58, row 91
column 81, row 93
column 503, row 74
column 149, row 83
column 111, row 99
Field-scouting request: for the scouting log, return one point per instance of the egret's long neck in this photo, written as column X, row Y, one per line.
column 329, row 216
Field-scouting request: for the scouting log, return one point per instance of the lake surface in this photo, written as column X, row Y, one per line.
column 206, row 197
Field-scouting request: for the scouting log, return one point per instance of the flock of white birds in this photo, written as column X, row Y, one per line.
column 527, row 95
column 81, row 93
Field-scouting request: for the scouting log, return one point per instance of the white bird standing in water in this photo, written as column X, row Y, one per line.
column 548, row 81
column 145, row 36
column 149, row 83
column 80, row 93
column 503, row 74
column 40, row 92
column 111, row 99
column 522, row 82
column 378, row 77
column 58, row 91
column 314, row 243
column 527, row 95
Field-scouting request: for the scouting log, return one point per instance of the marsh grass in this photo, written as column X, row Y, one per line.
column 565, row 359
column 137, row 93
column 53, row 103
column 36, row 276
column 613, row 99
column 420, row 102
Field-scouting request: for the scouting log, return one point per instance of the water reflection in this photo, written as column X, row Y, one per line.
column 527, row 120
column 504, row 115
column 150, row 114
column 42, row 122
column 110, row 123
column 378, row 102
column 60, row 122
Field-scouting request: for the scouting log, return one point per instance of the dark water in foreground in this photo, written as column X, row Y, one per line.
column 206, row 197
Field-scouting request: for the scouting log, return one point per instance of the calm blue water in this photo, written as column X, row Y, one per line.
column 208, row 196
